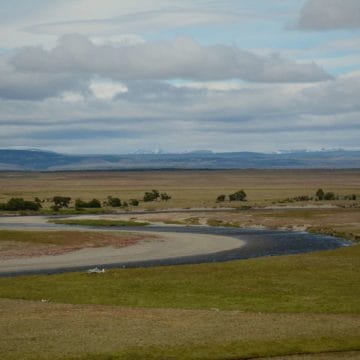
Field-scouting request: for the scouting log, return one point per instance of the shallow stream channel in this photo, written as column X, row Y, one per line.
column 254, row 243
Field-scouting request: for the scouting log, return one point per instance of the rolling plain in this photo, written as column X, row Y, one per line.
column 302, row 306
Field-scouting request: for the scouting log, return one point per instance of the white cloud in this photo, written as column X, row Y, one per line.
column 107, row 90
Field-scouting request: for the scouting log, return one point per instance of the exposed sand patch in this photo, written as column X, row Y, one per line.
column 172, row 245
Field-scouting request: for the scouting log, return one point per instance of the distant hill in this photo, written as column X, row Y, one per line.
column 36, row 160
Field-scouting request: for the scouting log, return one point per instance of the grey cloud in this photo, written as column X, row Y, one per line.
column 27, row 85
column 329, row 14
column 337, row 97
column 262, row 112
column 183, row 58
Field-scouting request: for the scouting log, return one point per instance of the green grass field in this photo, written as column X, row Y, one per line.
column 259, row 307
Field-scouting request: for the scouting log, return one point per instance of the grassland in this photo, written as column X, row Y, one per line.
column 302, row 305
column 260, row 307
column 187, row 188
column 323, row 282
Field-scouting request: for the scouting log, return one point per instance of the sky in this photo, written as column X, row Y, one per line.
column 119, row 76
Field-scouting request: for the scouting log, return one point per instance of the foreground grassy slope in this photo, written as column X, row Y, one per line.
column 35, row 330
column 324, row 282
column 245, row 309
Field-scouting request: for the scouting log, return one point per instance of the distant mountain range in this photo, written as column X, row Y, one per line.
column 37, row 160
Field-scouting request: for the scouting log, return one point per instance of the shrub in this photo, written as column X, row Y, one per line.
column 113, row 201
column 221, row 198
column 94, row 203
column 329, row 196
column 151, row 195
column 134, row 202
column 15, row 204
column 165, row 196
column 238, row 196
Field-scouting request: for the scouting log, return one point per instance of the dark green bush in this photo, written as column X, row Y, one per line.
column 134, row 202
column 238, row 196
column 113, row 201
column 16, row 204
column 80, row 204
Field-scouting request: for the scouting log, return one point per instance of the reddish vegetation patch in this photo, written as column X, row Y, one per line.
column 17, row 244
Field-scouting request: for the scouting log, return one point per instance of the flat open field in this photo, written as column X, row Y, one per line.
column 306, row 306
column 187, row 188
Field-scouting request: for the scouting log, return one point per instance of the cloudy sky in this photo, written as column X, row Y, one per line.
column 114, row 76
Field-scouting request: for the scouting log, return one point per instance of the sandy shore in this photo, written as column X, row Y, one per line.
column 171, row 245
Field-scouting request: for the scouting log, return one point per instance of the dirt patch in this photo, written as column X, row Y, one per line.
column 24, row 244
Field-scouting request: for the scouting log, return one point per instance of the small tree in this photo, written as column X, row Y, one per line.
column 221, row 198
column 113, row 201
column 61, row 201
column 320, row 194
column 151, row 195
column 238, row 196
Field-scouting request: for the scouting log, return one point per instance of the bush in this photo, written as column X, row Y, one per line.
column 134, row 202
column 113, row 201
column 165, row 196
column 151, row 196
column 221, row 198
column 15, row 204
column 238, row 196
column 329, row 196
column 94, row 203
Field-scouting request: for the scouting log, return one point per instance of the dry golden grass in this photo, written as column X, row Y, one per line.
column 188, row 188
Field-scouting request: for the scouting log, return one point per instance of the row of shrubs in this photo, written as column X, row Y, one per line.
column 236, row 196
column 63, row 202
column 321, row 195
